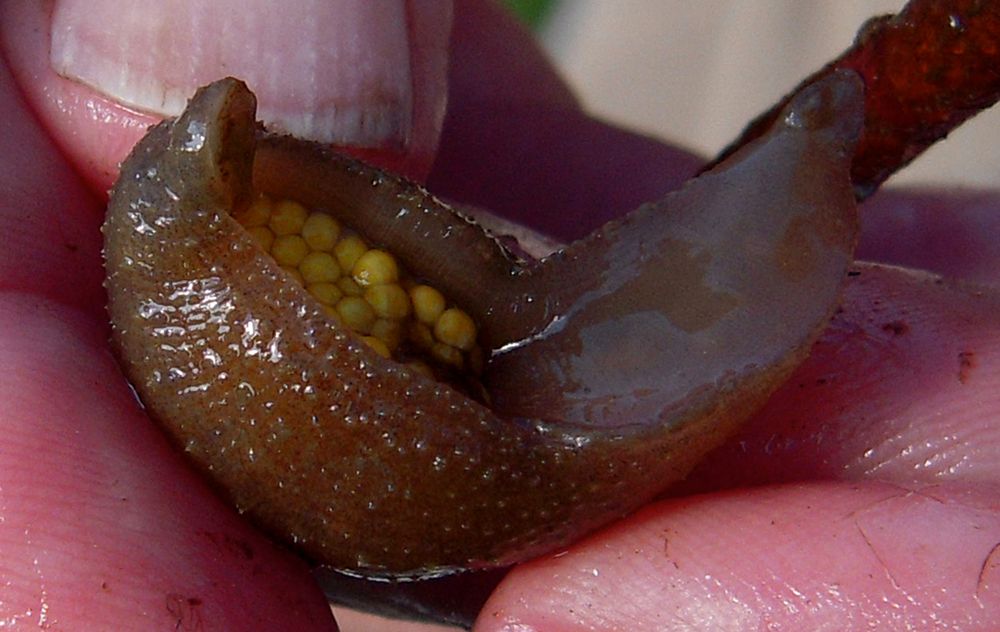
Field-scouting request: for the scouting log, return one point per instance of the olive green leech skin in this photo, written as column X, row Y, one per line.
column 613, row 366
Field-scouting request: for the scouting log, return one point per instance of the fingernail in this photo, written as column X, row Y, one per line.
column 334, row 71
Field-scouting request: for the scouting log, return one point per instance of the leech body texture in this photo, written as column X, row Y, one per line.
column 615, row 363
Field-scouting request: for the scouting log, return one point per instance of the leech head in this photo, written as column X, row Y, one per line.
column 220, row 157
column 397, row 449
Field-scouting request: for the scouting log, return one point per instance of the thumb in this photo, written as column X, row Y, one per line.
column 366, row 76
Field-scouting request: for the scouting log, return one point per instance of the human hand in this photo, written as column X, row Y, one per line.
column 136, row 553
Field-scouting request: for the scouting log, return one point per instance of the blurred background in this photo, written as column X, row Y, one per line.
column 696, row 72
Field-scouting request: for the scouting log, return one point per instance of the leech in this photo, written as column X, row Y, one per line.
column 613, row 365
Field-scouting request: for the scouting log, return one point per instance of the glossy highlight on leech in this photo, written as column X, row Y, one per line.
column 615, row 363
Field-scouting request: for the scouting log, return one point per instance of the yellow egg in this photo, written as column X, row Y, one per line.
column 319, row 267
column 287, row 217
column 447, row 354
column 326, row 293
column 263, row 236
column 321, row 231
column 375, row 267
column 428, row 303
column 289, row 250
column 349, row 287
column 255, row 215
column 348, row 250
column 377, row 345
column 388, row 301
column 455, row 327
column 356, row 313
column 388, row 331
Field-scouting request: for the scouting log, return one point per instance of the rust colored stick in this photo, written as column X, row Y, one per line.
column 926, row 70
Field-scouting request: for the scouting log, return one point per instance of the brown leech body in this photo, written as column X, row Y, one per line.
column 617, row 363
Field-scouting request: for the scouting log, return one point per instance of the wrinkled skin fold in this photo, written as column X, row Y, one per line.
column 619, row 361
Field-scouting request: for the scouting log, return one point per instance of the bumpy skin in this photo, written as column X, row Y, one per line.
column 374, row 469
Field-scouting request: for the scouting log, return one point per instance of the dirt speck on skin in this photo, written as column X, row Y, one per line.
column 992, row 561
column 896, row 328
column 878, row 557
column 666, row 549
column 966, row 363
column 185, row 612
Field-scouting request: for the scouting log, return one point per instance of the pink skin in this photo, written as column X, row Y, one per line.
column 104, row 526
column 96, row 132
column 865, row 492
column 798, row 557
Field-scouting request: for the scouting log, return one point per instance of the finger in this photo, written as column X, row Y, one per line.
column 806, row 557
column 44, row 202
column 903, row 386
column 104, row 526
column 554, row 170
column 953, row 233
column 49, row 221
column 516, row 142
column 496, row 60
column 364, row 75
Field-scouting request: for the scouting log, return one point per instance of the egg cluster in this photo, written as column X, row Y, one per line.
column 364, row 287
